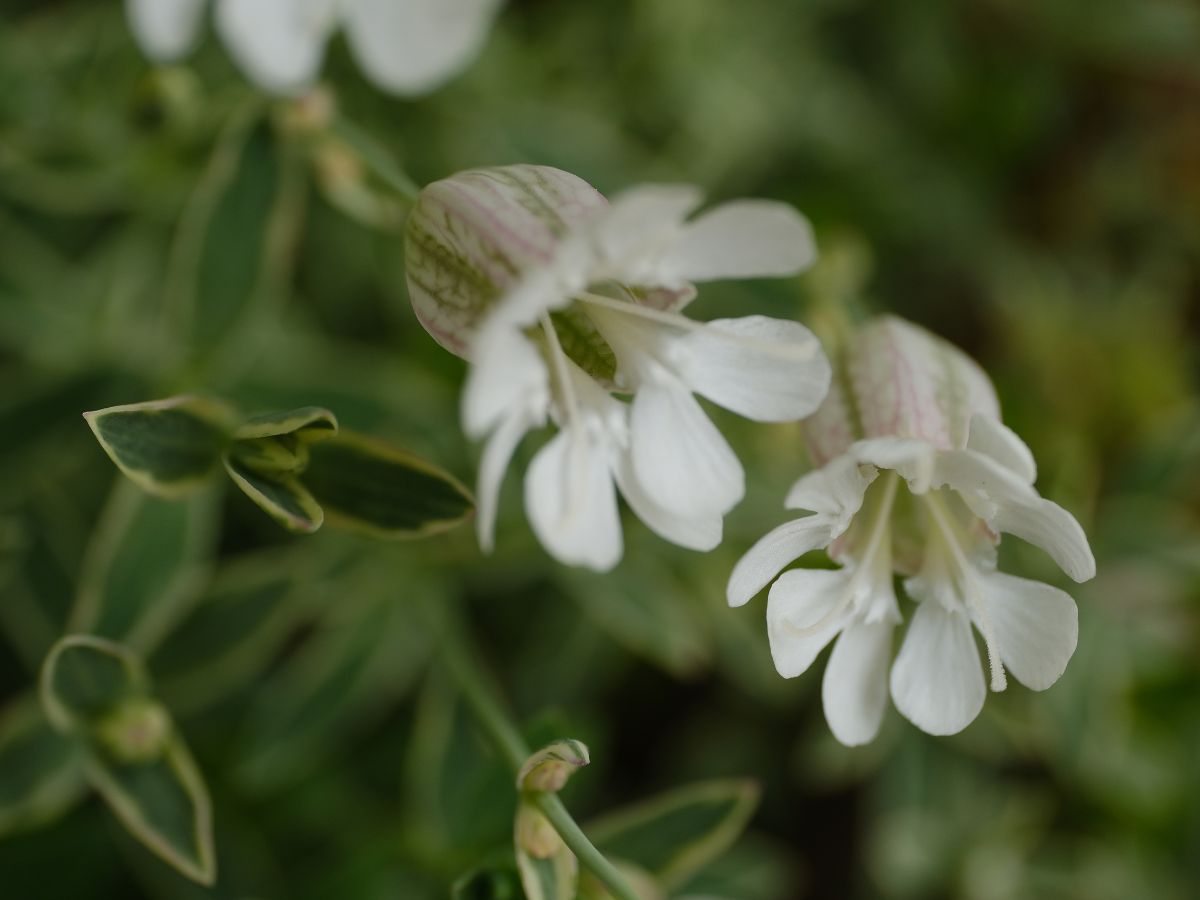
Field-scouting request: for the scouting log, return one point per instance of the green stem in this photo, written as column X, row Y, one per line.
column 377, row 159
column 462, row 663
column 585, row 851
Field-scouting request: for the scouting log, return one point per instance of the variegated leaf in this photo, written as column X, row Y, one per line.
column 167, row 447
column 97, row 692
column 282, row 496
column 674, row 835
column 84, row 677
column 146, row 563
column 41, row 770
column 277, row 443
column 371, row 487
column 307, row 424
column 234, row 239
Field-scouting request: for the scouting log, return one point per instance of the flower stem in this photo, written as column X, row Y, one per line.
column 377, row 159
column 462, row 663
column 585, row 851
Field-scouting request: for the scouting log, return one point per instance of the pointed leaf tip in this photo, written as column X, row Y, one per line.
column 167, row 447
column 281, row 496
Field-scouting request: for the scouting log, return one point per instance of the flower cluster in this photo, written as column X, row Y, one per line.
column 561, row 300
column 568, row 308
column 403, row 46
column 917, row 476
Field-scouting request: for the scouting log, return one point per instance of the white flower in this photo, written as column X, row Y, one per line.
column 919, row 477
column 559, row 299
column 403, row 46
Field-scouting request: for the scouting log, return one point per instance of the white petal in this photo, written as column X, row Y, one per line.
column 496, row 457
column 1009, row 504
column 545, row 288
column 572, row 503
column 993, row 438
column 642, row 223
column 411, row 47
column 279, row 44
column 913, row 459
column 768, row 370
column 507, row 373
column 680, row 459
column 836, row 489
column 696, row 532
column 1035, row 626
column 742, row 239
column 799, row 600
column 855, row 688
column 775, row 550
column 937, row 681
column 165, row 29
column 1048, row 526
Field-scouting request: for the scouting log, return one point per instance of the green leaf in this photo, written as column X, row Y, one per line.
column 307, row 424
column 646, row 608
column 234, row 631
column 167, row 447
column 231, row 232
column 146, row 564
column 282, row 496
column 164, row 804
column 549, row 768
column 360, row 660
column 85, row 677
column 277, row 443
column 548, row 869
column 367, row 486
column 97, row 691
column 41, row 771
column 674, row 835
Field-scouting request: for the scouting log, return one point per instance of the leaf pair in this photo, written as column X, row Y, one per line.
column 294, row 464
column 96, row 693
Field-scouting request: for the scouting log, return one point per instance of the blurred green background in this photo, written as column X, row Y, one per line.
column 1022, row 178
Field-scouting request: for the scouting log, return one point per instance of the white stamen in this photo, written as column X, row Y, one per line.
column 970, row 589
column 876, row 539
column 559, row 358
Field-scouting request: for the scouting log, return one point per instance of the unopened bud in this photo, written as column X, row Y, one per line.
column 137, row 731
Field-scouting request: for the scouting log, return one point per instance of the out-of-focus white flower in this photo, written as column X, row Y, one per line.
column 559, row 299
column 917, row 476
column 403, row 46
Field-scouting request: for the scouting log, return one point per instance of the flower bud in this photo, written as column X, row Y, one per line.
column 894, row 379
column 471, row 236
column 137, row 731
column 534, row 834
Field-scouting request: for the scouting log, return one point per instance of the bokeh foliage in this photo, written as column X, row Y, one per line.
column 1023, row 179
